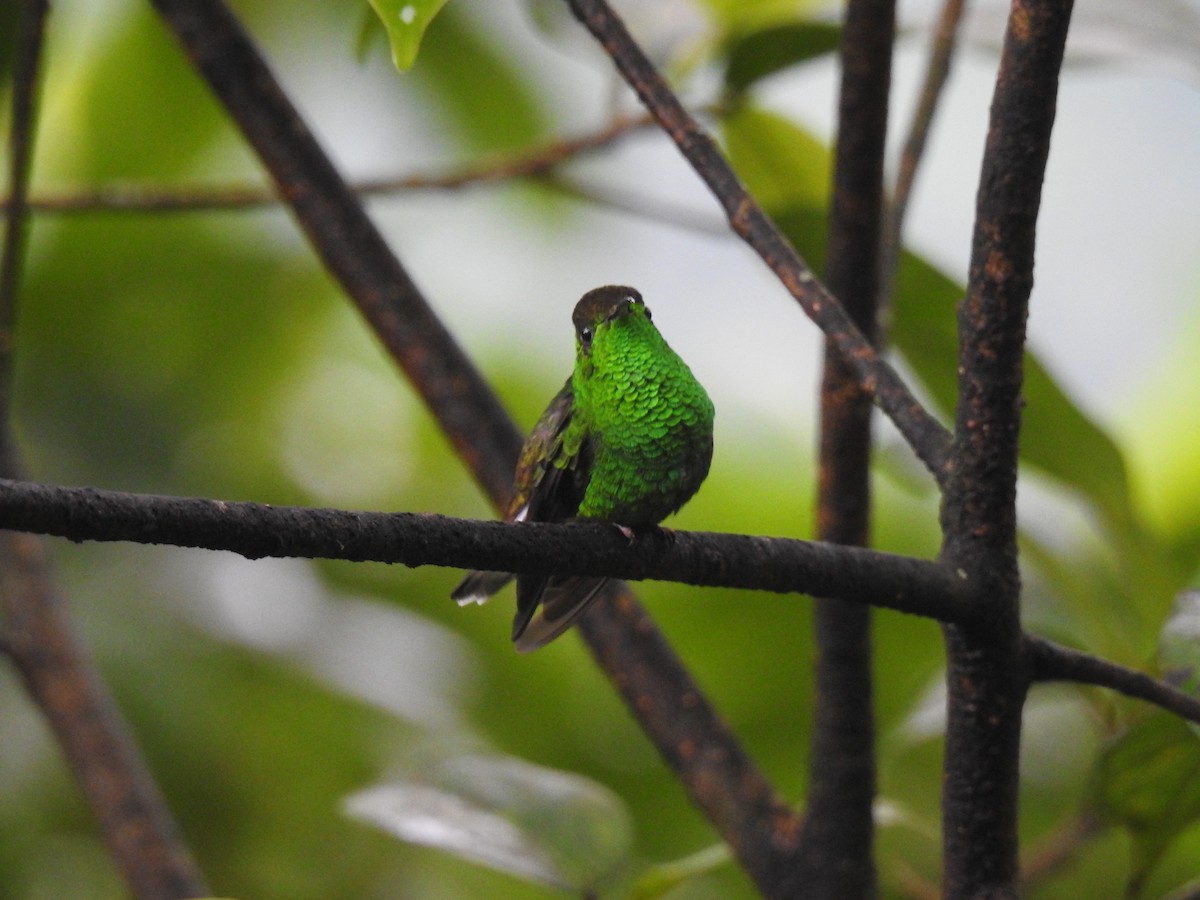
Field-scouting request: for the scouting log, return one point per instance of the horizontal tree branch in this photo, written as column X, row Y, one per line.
column 255, row 530
column 779, row 565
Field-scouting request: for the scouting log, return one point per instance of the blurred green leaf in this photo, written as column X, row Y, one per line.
column 1148, row 780
column 745, row 15
column 753, row 55
column 405, row 22
column 492, row 103
column 112, row 127
column 788, row 174
column 9, row 13
column 660, row 880
column 1056, row 435
column 783, row 165
column 539, row 824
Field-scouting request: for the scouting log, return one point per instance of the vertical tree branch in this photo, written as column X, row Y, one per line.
column 839, row 829
column 988, row 674
column 37, row 633
column 679, row 721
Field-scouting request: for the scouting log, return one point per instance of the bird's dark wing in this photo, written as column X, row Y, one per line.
column 549, row 486
column 556, row 478
column 546, row 488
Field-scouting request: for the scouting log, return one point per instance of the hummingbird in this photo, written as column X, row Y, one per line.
column 627, row 440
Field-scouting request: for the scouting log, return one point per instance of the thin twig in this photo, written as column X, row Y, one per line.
column 637, row 204
column 1053, row 662
column 530, row 163
column 928, row 438
column 38, row 634
column 937, row 71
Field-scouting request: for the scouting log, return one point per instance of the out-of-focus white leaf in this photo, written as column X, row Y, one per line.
column 543, row 825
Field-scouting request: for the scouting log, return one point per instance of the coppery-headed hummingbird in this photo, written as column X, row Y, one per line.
column 627, row 440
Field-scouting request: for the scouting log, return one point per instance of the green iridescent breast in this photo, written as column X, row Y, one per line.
column 648, row 422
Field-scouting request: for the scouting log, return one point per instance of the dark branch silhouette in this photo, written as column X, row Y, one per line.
column 937, row 71
column 839, row 831
column 255, row 530
column 1054, row 662
column 987, row 675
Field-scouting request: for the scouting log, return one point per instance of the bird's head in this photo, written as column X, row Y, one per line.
column 602, row 312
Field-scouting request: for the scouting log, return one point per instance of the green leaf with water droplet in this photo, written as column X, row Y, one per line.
column 405, row 22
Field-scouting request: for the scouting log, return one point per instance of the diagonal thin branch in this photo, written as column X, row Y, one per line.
column 463, row 404
column 37, row 633
column 928, row 438
column 937, row 71
column 141, row 835
column 1054, row 662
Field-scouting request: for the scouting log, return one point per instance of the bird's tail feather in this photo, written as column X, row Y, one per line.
column 478, row 586
column 563, row 600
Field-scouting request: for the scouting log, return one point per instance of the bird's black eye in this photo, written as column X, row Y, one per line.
column 585, row 337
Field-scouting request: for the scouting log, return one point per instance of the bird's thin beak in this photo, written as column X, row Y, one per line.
column 622, row 309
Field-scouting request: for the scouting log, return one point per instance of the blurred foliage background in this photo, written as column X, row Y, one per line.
column 205, row 353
